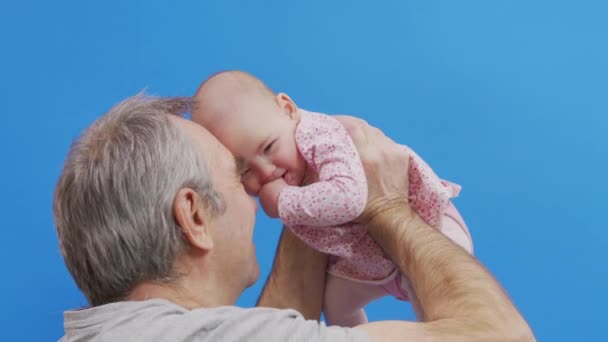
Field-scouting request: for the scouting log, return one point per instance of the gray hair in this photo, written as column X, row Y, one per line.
column 113, row 201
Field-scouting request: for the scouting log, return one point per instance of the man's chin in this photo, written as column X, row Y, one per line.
column 255, row 275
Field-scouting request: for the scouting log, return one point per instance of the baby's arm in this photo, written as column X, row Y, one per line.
column 340, row 194
column 269, row 196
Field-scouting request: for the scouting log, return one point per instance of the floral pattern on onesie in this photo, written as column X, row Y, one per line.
column 321, row 213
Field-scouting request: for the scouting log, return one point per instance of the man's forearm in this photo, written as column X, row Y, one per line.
column 297, row 280
column 448, row 284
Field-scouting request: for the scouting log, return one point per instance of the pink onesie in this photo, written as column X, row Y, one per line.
column 321, row 213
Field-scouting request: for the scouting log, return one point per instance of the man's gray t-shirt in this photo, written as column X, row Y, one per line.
column 161, row 320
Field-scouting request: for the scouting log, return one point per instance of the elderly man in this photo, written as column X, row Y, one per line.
column 156, row 229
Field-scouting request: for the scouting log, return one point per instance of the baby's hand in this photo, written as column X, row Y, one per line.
column 269, row 196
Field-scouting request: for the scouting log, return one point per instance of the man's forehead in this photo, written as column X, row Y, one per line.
column 206, row 142
column 195, row 131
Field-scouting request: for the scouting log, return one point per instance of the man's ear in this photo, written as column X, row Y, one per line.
column 190, row 215
column 288, row 106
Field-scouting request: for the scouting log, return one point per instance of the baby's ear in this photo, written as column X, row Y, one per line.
column 288, row 106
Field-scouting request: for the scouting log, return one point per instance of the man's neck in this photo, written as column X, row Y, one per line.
column 191, row 291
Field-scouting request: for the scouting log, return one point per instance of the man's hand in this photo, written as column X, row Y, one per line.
column 386, row 165
column 269, row 196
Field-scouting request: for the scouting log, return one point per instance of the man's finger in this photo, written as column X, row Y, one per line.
column 355, row 128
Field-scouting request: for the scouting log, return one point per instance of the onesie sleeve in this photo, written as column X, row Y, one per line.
column 340, row 194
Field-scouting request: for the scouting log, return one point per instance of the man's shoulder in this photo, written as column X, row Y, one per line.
column 163, row 320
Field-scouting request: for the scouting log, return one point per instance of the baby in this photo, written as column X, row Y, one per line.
column 305, row 169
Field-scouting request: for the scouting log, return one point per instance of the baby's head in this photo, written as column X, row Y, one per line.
column 255, row 124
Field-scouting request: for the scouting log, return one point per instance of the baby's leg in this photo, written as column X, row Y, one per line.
column 345, row 299
column 453, row 227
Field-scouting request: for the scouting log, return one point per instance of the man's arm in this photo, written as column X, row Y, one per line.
column 451, row 290
column 455, row 297
column 297, row 279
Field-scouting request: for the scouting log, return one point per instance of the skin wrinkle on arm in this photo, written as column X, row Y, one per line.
column 341, row 178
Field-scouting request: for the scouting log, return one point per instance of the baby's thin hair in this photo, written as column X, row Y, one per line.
column 225, row 91
column 239, row 80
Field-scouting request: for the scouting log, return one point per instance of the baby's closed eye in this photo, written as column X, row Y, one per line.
column 269, row 147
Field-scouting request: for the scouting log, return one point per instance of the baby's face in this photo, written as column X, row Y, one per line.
column 262, row 139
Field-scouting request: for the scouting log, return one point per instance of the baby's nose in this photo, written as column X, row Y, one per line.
column 267, row 172
column 270, row 173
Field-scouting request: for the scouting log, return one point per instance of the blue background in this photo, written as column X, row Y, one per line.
column 507, row 98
